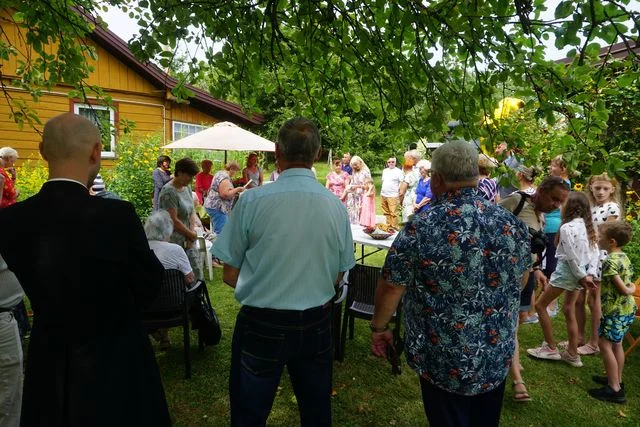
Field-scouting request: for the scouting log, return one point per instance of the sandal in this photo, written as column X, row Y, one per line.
column 520, row 396
column 588, row 350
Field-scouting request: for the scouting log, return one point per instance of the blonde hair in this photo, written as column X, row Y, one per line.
column 357, row 159
column 615, row 196
column 486, row 164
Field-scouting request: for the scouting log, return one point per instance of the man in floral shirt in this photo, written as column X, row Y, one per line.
column 459, row 268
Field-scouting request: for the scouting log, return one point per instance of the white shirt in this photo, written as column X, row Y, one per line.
column 171, row 256
column 574, row 249
column 391, row 180
column 602, row 212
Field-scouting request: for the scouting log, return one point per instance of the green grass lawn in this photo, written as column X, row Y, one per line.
column 366, row 394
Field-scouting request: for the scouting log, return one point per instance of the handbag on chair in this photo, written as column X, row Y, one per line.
column 205, row 320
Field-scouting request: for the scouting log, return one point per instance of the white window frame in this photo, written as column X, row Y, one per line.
column 197, row 128
column 112, row 122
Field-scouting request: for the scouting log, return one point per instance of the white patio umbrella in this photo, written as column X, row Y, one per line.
column 224, row 136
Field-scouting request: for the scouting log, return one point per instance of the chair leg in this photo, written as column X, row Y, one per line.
column 352, row 321
column 343, row 335
column 187, row 350
column 633, row 344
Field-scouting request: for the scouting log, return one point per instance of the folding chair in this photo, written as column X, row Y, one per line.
column 631, row 340
column 363, row 280
column 171, row 308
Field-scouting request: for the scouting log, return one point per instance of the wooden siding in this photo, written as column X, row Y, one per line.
column 134, row 97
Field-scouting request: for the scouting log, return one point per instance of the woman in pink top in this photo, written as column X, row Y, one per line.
column 203, row 180
column 337, row 180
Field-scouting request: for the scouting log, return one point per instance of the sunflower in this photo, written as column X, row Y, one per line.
column 578, row 187
column 629, row 217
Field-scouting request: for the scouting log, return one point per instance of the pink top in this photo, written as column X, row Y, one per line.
column 337, row 182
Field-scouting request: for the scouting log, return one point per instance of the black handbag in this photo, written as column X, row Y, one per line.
column 205, row 320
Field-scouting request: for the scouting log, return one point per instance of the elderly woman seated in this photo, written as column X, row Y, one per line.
column 158, row 229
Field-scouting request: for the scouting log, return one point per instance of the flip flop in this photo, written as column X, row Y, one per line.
column 520, row 396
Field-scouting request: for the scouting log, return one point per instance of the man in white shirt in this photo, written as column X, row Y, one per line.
column 391, row 179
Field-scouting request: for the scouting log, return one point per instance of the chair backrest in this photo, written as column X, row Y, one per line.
column 172, row 293
column 363, row 280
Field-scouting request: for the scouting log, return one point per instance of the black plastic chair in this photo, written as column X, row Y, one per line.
column 171, row 308
column 363, row 280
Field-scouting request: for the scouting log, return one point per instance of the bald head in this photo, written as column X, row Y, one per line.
column 68, row 136
column 71, row 145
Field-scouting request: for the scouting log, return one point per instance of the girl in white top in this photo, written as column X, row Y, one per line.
column 577, row 263
column 602, row 193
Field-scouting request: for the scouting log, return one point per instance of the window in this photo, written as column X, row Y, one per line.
column 180, row 129
column 104, row 118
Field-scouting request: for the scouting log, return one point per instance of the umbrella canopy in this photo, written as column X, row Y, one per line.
column 224, row 136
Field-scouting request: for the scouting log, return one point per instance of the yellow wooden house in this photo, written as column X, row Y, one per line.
column 141, row 93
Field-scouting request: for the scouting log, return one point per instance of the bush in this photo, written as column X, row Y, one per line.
column 30, row 177
column 130, row 178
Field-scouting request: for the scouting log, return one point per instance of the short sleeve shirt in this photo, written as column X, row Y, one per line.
column 614, row 303
column 462, row 264
column 171, row 256
column 601, row 213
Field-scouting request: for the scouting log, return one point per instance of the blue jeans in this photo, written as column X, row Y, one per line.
column 264, row 341
column 218, row 219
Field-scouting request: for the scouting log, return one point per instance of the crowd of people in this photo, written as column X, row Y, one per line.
column 465, row 264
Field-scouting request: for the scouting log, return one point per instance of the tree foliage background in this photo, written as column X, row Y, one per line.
column 376, row 75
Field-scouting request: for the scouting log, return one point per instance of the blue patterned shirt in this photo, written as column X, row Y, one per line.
column 462, row 265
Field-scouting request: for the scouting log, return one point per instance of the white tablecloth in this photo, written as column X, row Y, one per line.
column 361, row 238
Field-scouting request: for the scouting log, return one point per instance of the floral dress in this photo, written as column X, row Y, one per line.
column 411, row 179
column 354, row 196
column 182, row 202
column 337, row 182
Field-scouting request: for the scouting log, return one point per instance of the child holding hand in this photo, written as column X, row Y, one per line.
column 618, row 309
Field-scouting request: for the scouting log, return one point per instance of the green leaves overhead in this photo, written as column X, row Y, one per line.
column 370, row 71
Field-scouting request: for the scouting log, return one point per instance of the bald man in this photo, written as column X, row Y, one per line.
column 87, row 272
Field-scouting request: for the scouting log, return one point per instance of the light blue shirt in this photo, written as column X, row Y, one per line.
column 290, row 239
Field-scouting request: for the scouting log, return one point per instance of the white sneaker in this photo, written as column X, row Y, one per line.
column 544, row 352
column 574, row 361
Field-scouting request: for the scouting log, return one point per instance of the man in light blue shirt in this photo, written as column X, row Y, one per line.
column 285, row 247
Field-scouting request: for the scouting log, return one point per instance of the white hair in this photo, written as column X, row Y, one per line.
column 424, row 163
column 455, row 161
column 358, row 159
column 159, row 226
column 414, row 154
column 8, row 152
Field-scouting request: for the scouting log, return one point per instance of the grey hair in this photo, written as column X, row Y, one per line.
column 455, row 161
column 358, row 159
column 414, row 154
column 159, row 226
column 8, row 152
column 299, row 141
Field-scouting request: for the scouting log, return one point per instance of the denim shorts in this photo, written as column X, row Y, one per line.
column 563, row 278
column 613, row 327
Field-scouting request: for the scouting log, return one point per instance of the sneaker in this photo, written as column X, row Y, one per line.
column 531, row 319
column 588, row 350
column 607, row 394
column 553, row 312
column 603, row 380
column 544, row 352
column 574, row 361
column 216, row 263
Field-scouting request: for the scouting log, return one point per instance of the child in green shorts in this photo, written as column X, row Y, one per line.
column 618, row 309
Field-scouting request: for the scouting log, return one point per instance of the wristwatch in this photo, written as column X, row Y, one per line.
column 378, row 330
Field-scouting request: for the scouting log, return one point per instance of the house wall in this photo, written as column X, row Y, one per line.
column 134, row 99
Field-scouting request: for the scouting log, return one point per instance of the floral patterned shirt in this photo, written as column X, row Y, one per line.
column 613, row 302
column 461, row 263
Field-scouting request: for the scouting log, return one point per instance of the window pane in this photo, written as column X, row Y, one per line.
column 102, row 119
